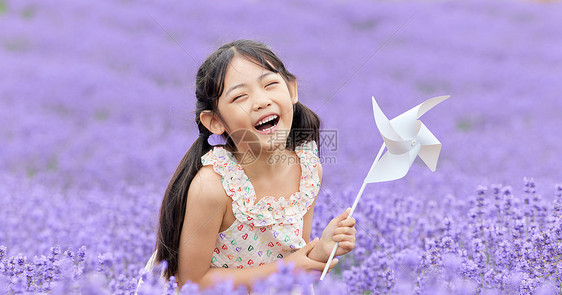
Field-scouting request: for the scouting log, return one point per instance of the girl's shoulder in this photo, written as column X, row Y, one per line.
column 207, row 183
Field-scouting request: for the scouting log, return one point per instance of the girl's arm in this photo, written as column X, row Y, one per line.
column 205, row 209
column 206, row 205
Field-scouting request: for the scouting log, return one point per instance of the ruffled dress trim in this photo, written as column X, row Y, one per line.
column 267, row 210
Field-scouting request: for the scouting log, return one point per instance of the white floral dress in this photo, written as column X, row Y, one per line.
column 265, row 231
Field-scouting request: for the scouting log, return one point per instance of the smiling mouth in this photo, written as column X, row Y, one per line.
column 267, row 124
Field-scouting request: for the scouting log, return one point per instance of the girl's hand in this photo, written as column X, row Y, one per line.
column 340, row 229
column 302, row 261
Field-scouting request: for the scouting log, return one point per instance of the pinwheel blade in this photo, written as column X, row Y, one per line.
column 430, row 147
column 429, row 154
column 404, row 125
column 429, row 104
column 392, row 167
column 383, row 124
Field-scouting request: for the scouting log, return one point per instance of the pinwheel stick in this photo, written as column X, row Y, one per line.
column 350, row 213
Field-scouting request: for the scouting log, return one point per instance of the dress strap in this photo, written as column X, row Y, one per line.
column 224, row 163
column 234, row 180
column 308, row 154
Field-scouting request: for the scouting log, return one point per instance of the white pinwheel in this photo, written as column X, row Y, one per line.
column 406, row 138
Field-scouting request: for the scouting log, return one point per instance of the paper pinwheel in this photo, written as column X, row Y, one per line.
column 405, row 137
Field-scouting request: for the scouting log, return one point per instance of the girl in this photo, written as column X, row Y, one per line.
column 232, row 210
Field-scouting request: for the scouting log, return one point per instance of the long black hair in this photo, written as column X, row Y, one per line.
column 209, row 87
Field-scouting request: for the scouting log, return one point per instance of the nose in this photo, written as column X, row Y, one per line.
column 261, row 101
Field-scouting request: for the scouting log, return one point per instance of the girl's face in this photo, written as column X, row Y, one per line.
column 257, row 100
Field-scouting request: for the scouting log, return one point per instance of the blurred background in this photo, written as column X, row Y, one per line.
column 97, row 103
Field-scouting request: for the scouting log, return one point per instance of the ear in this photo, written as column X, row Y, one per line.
column 292, row 85
column 212, row 122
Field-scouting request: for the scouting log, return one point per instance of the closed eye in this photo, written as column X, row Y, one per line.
column 272, row 83
column 237, row 97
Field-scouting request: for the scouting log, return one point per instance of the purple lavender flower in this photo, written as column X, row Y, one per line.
column 3, row 252
column 355, row 279
column 54, row 252
column 82, row 253
column 529, row 185
column 105, row 261
column 170, row 286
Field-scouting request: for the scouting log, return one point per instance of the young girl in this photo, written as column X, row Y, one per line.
column 232, row 210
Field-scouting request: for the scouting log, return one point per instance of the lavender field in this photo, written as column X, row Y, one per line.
column 97, row 108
